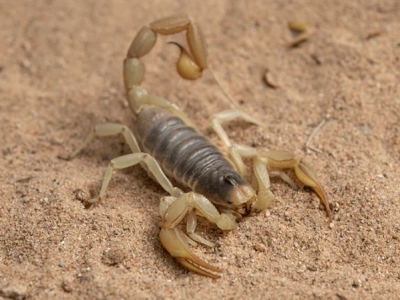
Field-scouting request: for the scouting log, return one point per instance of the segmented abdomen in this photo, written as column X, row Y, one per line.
column 184, row 154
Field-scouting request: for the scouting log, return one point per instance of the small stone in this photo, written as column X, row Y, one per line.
column 259, row 247
column 301, row 269
column 270, row 80
column 331, row 225
column 312, row 268
column 356, row 283
column 341, row 297
column 26, row 63
column 113, row 257
column 66, row 286
column 365, row 128
column 80, row 195
column 299, row 26
column 61, row 264
column 316, row 58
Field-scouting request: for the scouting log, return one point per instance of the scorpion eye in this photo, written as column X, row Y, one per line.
column 229, row 179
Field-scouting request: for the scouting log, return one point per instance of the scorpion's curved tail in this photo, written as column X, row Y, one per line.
column 190, row 64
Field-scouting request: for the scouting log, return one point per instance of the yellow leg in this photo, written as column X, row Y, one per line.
column 129, row 160
column 216, row 123
column 108, row 129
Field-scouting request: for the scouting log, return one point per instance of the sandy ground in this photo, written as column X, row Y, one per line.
column 60, row 74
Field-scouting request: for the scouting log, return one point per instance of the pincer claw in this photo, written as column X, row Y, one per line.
column 175, row 242
column 307, row 175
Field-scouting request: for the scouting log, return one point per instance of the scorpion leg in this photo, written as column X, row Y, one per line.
column 111, row 129
column 262, row 184
column 108, row 129
column 285, row 177
column 175, row 241
column 216, row 123
column 191, row 227
column 129, row 160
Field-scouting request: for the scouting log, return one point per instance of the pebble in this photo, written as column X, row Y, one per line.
column 66, row 286
column 26, row 63
column 341, row 297
column 259, row 247
column 270, row 80
column 312, row 268
column 356, row 283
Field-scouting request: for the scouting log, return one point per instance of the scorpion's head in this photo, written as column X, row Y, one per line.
column 238, row 195
column 229, row 190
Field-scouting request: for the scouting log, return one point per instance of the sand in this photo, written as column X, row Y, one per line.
column 61, row 74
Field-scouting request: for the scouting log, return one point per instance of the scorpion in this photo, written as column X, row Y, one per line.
column 172, row 150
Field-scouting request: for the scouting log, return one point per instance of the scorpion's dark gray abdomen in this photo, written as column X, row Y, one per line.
column 184, row 154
